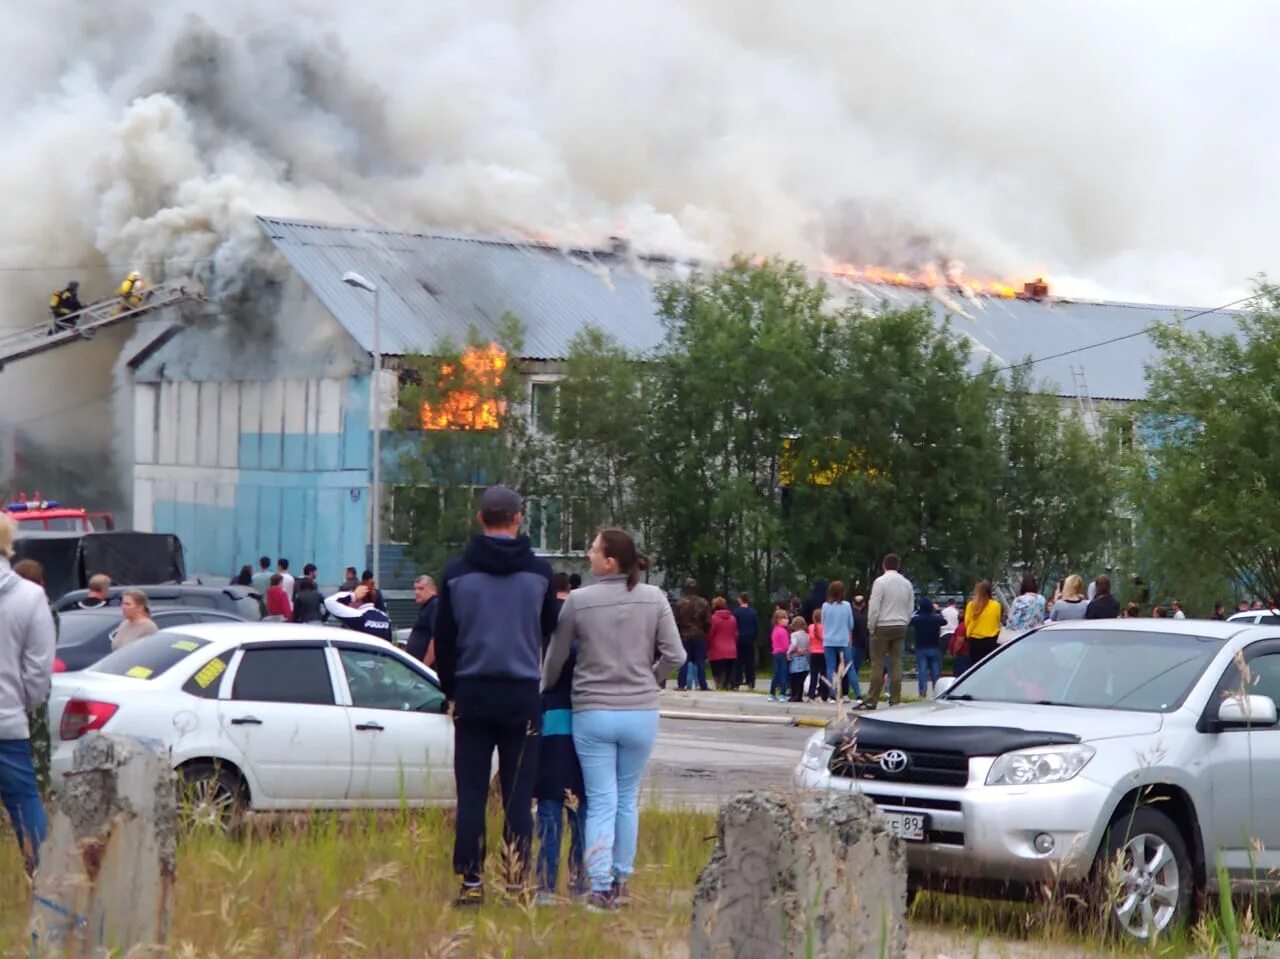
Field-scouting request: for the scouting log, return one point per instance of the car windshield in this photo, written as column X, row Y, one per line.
column 150, row 656
column 1092, row 669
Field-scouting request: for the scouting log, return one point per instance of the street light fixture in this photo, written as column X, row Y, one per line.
column 375, row 494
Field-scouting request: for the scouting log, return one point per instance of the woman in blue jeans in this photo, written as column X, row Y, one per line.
column 627, row 642
column 837, row 637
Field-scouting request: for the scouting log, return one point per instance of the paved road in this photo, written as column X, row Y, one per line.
column 697, row 764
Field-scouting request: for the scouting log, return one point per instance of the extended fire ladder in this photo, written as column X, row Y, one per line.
column 1084, row 400
column 52, row 333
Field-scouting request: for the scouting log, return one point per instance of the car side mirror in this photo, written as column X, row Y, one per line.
column 943, row 684
column 1252, row 710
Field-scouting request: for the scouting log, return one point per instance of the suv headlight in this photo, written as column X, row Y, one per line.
column 817, row 754
column 1042, row 764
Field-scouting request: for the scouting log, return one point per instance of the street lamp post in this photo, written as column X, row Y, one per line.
column 375, row 493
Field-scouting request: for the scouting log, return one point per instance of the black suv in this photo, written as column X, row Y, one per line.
column 238, row 601
column 84, row 635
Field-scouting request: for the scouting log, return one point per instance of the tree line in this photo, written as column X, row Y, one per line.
column 779, row 435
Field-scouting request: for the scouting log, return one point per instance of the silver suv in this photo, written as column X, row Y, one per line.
column 1139, row 754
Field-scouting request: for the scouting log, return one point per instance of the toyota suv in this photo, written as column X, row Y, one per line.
column 1139, row 754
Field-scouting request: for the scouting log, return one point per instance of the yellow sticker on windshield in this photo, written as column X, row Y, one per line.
column 186, row 645
column 209, row 672
column 138, row 672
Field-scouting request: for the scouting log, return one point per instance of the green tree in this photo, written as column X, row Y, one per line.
column 1206, row 490
column 583, row 459
column 902, row 457
column 733, row 381
column 1058, row 495
column 457, row 427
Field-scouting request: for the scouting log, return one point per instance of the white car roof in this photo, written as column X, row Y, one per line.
column 233, row 634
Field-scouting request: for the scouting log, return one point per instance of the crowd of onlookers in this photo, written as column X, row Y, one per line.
column 822, row 642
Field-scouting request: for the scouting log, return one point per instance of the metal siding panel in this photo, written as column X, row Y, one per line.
column 210, row 417
column 270, row 520
column 357, row 442
column 185, row 515
column 250, row 455
column 309, row 536
column 328, row 550
column 247, row 547
column 272, row 425
column 293, row 533
column 144, row 423
column 167, row 431
column 355, row 536
column 224, row 533
column 144, row 519
column 328, row 434
column 228, row 424
column 294, row 453
column 166, row 519
column 188, row 422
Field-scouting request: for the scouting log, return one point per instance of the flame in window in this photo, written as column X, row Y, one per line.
column 469, row 402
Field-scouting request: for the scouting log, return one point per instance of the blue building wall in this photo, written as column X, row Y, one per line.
column 240, row 470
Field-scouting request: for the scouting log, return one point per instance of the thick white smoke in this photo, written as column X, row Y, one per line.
column 1122, row 145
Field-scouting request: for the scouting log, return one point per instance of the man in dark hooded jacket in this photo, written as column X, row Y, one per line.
column 497, row 607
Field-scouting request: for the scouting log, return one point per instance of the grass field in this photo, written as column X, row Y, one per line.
column 380, row 885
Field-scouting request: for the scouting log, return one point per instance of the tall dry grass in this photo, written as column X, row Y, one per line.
column 380, row 885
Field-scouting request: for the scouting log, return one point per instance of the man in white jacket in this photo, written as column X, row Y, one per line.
column 27, row 641
column 893, row 600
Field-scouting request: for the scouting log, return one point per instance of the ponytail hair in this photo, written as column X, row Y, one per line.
column 617, row 544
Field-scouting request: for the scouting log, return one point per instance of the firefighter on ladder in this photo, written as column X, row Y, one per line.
column 65, row 307
column 132, row 291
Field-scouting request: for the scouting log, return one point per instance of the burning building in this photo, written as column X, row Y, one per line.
column 254, row 437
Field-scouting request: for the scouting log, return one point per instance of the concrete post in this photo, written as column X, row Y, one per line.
column 801, row 877
column 107, row 868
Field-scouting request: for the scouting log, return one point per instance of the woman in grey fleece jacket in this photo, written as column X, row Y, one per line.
column 627, row 642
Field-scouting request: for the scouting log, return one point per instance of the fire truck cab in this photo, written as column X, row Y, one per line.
column 48, row 515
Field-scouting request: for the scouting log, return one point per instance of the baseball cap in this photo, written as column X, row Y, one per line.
column 501, row 499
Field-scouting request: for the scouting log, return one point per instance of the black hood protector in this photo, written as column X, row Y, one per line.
column 872, row 735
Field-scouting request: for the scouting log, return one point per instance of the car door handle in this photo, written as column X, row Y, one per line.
column 246, row 721
column 366, row 727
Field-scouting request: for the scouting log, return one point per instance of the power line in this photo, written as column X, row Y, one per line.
column 1115, row 339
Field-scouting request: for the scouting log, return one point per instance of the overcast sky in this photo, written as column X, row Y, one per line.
column 1125, row 149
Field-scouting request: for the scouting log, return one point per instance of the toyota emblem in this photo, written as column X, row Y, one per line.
column 894, row 761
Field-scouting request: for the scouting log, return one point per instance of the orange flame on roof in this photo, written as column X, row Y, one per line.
column 930, row 278
column 471, row 405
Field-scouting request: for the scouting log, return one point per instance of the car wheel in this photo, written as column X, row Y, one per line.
column 1146, row 874
column 211, row 797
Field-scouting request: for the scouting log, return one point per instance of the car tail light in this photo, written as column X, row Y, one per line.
column 59, row 666
column 82, row 716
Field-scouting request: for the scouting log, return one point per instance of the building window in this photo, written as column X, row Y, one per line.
column 542, row 519
column 558, row 527
column 581, row 528
column 544, row 402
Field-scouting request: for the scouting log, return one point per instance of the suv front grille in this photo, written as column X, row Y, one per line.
column 923, row 767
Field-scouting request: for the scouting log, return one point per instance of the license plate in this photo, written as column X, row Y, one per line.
column 909, row 826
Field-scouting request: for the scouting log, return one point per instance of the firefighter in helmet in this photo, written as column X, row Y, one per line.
column 64, row 305
column 131, row 291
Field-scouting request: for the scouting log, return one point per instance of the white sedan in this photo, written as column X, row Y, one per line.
column 269, row 716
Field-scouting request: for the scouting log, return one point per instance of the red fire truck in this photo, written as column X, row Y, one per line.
column 39, row 514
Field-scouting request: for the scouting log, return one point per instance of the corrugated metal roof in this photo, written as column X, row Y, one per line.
column 433, row 286
column 439, row 285
column 1012, row 330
